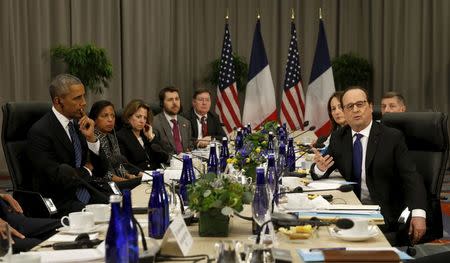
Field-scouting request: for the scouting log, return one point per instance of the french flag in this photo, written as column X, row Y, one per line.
column 260, row 105
column 320, row 87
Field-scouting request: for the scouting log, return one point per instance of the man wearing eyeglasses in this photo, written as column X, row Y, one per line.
column 205, row 124
column 376, row 158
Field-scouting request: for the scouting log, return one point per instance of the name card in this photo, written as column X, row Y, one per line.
column 181, row 234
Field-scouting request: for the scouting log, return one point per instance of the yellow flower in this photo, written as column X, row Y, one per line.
column 258, row 150
column 247, row 160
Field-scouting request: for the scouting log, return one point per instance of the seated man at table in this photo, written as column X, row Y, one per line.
column 393, row 102
column 26, row 232
column 64, row 136
column 173, row 129
column 205, row 124
column 376, row 158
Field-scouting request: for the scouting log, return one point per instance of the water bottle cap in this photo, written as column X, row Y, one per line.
column 115, row 198
column 224, row 139
column 185, row 157
column 212, row 145
column 260, row 177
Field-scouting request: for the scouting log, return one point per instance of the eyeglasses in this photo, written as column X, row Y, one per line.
column 203, row 99
column 359, row 104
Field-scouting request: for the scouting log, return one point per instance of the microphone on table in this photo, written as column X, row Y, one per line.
column 312, row 128
column 287, row 220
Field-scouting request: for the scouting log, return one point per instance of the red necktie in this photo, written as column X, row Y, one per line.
column 204, row 127
column 176, row 136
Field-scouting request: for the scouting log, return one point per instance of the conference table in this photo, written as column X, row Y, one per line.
column 240, row 230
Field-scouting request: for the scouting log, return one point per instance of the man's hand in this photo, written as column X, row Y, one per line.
column 417, row 229
column 87, row 128
column 12, row 203
column 3, row 230
column 204, row 142
column 322, row 162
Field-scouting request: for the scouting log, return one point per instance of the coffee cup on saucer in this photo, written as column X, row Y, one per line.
column 101, row 212
column 360, row 228
column 79, row 221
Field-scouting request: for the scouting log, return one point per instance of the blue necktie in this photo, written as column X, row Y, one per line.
column 81, row 193
column 357, row 163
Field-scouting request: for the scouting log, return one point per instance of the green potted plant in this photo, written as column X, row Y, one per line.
column 240, row 68
column 89, row 63
column 216, row 197
column 351, row 70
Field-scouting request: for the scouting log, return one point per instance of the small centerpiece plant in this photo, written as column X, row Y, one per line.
column 216, row 197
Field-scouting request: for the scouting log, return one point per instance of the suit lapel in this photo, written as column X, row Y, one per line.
column 61, row 134
column 194, row 124
column 348, row 150
column 183, row 132
column 372, row 143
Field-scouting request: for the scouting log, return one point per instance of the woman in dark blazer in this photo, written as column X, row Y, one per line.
column 109, row 164
column 137, row 141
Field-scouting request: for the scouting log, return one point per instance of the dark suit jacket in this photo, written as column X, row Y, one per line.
column 391, row 177
column 215, row 129
column 162, row 129
column 48, row 148
column 145, row 157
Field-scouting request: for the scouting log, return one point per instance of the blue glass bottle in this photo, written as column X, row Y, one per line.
column 224, row 154
column 271, row 173
column 249, row 128
column 213, row 161
column 281, row 162
column 260, row 204
column 270, row 144
column 158, row 208
column 239, row 141
column 290, row 156
column 190, row 171
column 185, row 179
column 130, row 227
column 116, row 242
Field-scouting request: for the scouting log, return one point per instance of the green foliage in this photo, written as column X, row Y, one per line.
column 351, row 70
column 89, row 63
column 222, row 192
column 241, row 72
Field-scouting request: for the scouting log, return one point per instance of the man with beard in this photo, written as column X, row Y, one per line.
column 173, row 129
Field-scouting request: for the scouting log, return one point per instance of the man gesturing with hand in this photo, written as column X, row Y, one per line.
column 376, row 158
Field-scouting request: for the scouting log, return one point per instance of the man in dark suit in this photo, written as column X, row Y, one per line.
column 63, row 136
column 173, row 129
column 205, row 124
column 376, row 157
column 26, row 232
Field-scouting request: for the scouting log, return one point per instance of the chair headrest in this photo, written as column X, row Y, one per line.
column 424, row 131
column 20, row 116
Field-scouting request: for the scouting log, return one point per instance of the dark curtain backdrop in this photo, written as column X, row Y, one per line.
column 153, row 43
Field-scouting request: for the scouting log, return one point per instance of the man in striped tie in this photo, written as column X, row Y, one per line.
column 375, row 157
column 64, row 136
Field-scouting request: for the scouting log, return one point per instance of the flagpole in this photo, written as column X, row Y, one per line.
column 320, row 13
column 258, row 16
column 227, row 14
column 292, row 14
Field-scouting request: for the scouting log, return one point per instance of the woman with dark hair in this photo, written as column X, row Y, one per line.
column 335, row 111
column 109, row 161
column 137, row 141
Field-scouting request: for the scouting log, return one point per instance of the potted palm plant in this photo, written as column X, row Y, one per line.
column 351, row 70
column 89, row 63
column 240, row 68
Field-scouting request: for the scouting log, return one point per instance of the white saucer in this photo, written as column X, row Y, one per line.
column 373, row 232
column 102, row 222
column 67, row 230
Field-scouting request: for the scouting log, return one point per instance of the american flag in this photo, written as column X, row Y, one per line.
column 292, row 104
column 227, row 103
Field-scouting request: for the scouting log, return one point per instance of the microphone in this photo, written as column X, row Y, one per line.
column 320, row 141
column 312, row 128
column 282, row 219
column 343, row 188
column 181, row 160
column 81, row 241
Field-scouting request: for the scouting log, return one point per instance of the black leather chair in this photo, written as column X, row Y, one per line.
column 18, row 117
column 426, row 135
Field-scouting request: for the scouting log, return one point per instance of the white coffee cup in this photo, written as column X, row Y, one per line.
column 101, row 212
column 79, row 221
column 360, row 228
